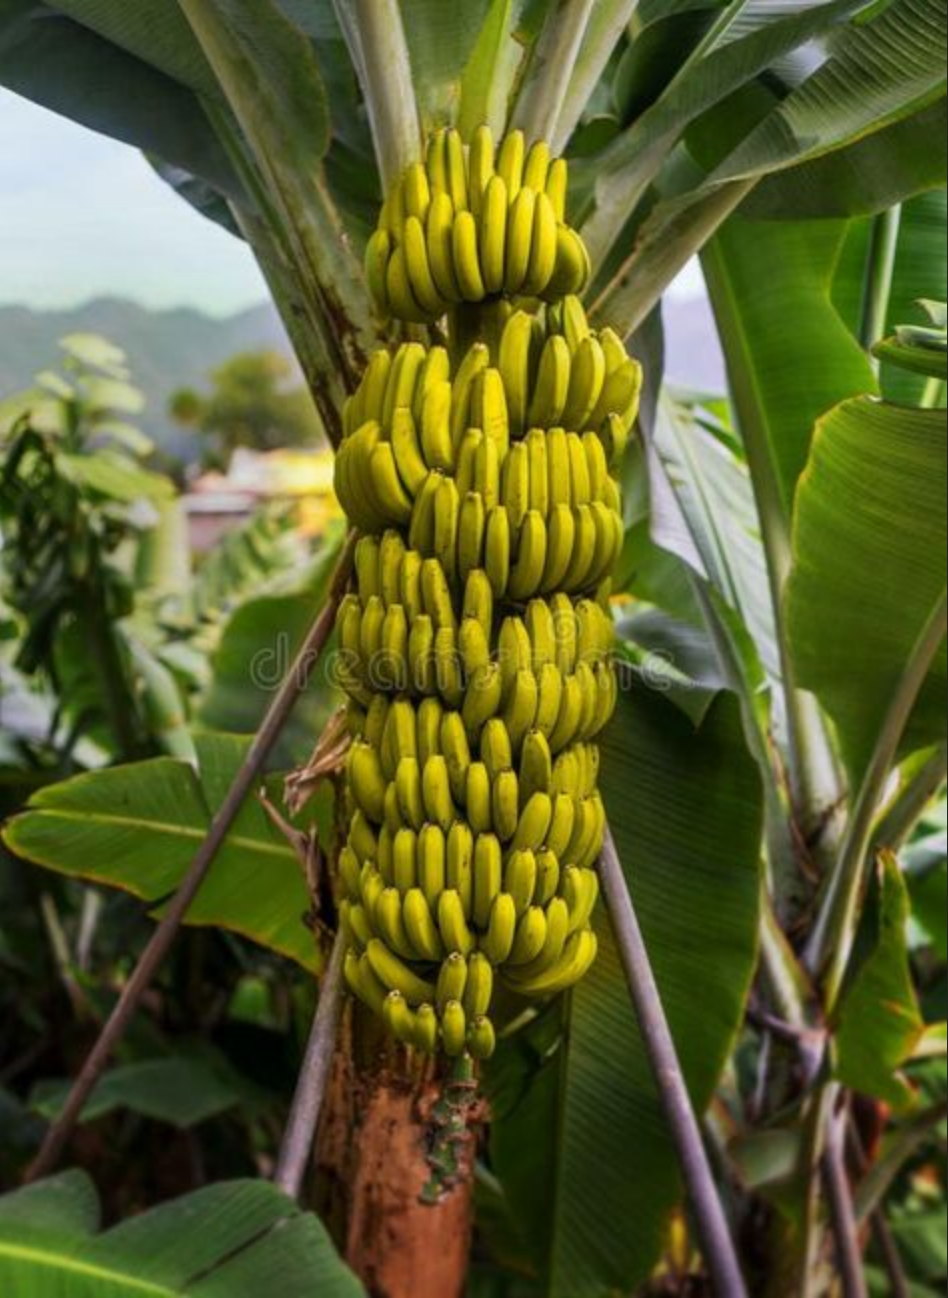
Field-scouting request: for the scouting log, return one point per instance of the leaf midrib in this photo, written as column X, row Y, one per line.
column 72, row 1265
column 162, row 827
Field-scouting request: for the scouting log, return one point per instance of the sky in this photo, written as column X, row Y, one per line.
column 84, row 216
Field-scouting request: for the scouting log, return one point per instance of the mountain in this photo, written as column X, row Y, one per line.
column 173, row 349
column 166, row 349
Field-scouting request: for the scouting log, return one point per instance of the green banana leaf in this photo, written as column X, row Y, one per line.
column 685, row 806
column 226, row 1241
column 869, row 542
column 878, row 1023
column 137, row 828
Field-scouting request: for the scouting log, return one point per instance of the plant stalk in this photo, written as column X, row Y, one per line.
column 839, row 1197
column 895, row 823
column 161, row 940
column 877, row 286
column 297, row 1144
column 376, row 41
column 716, row 1243
column 831, row 939
column 543, row 93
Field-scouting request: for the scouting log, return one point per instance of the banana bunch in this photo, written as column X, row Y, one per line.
column 468, row 224
column 476, row 640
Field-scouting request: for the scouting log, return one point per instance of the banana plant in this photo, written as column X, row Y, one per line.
column 783, row 646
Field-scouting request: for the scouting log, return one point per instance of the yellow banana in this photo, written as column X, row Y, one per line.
column 466, row 456
column 371, row 887
column 537, row 165
column 436, row 163
column 488, row 874
column 477, row 800
column 510, row 159
column 432, row 862
column 450, row 674
column 497, row 542
column 453, row 1029
column 428, row 722
column 399, row 1018
column 569, row 721
column 439, row 243
column 436, row 594
column 386, row 855
column 534, row 822
column 520, row 710
column 505, row 805
column 501, row 928
column 519, row 240
column 481, row 1038
column 362, row 981
column 538, row 471
column 514, row 651
column 426, row 1029
column 409, row 584
column 455, row 933
column 575, row 326
column 435, row 432
column 561, row 539
column 404, row 860
column 552, row 384
column 480, row 166
column 536, row 767
column 578, row 954
column 362, row 838
column 391, row 553
column 614, row 433
column 374, row 385
column 392, row 669
column 620, row 393
column 472, row 525
column 530, row 936
column 436, row 790
column 457, row 171
column 557, row 934
column 406, row 446
column 557, row 459
column 482, row 698
column 377, row 252
column 421, row 527
column 452, row 979
column 541, row 632
column 587, row 375
column 409, row 792
column 520, row 878
column 476, row 359
column 549, row 698
column 367, row 781
column 543, row 246
column 416, row 193
column 457, row 754
column 370, row 634
column 392, row 810
column 493, row 233
column 467, row 265
column 580, row 483
column 447, row 511
column 474, row 646
column 387, row 485
column 423, row 288
column 459, row 863
column 556, row 187
column 489, row 412
column 496, row 750
column 572, row 264
column 349, row 871
column 514, row 363
column 421, row 654
column 548, row 878
column 577, row 575
column 390, row 925
column 479, row 986
column 422, row 932
column 607, row 686
column 580, row 889
column 479, row 600
column 402, row 302
column 526, row 573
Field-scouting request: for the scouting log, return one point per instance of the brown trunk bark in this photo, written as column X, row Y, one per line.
column 379, row 1127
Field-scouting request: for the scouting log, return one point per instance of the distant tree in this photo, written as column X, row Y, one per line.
column 249, row 404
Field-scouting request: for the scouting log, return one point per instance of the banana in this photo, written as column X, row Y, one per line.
column 598, row 467
column 578, row 954
column 370, row 633
column 478, row 798
column 432, row 862
column 607, row 686
column 526, row 573
column 402, row 302
column 529, row 938
column 557, row 933
column 421, row 654
column 399, row 1018
column 514, row 362
column 487, row 460
column 586, row 678
column 455, row 933
column 569, row 721
column 439, row 246
column 488, row 874
column 519, row 240
column 459, row 863
column 435, row 432
column 543, row 248
column 497, row 542
column 572, row 264
column 374, row 385
column 557, row 461
column 515, row 484
column 548, row 878
column 501, row 928
column 376, row 719
column 367, row 781
column 481, row 1038
column 564, row 619
column 577, row 575
column 436, row 790
column 520, row 877
column 556, row 187
column 520, row 710
column 471, row 440
column 388, row 485
column 392, row 667
column 568, row 777
column 349, row 871
column 349, row 621
column 422, row 932
column 452, row 980
column 366, row 560
column 389, row 922
column 536, row 767
column 390, row 556
column 467, row 265
column 457, row 754
column 363, row 983
column 538, row 471
column 594, row 632
column 561, row 539
column 398, row 736
column 476, row 359
column 482, row 698
column 428, row 721
column 409, row 584
column 409, row 792
column 436, row 594
column 496, row 750
column 610, row 538
column 371, row 887
column 580, row 890
column 479, row 600
column 423, row 288
column 562, row 824
column 436, row 163
column 457, row 171
column 549, row 699
column 510, row 160
column 552, row 384
column 614, row 349
column 377, row 252
column 447, row 513
column 505, row 802
column 479, row 985
column 587, row 376
column 514, row 651
column 575, row 326
column 409, row 460
column 536, row 166
column 450, row 675
column 480, row 166
column 612, row 497
column 541, row 632
column 392, row 810
column 620, row 393
column 426, row 1029
column 392, row 216
column 580, row 483
column 404, row 860
column 453, row 1029
column 362, row 838
column 421, row 527
column 386, row 855
column 474, row 646
column 489, row 412
column 416, row 193
column 493, row 233
column 472, row 525
column 534, row 823
column 614, row 433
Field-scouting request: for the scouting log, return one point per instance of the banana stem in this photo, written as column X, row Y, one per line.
column 160, row 942
column 713, row 1233
column 297, row 1144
